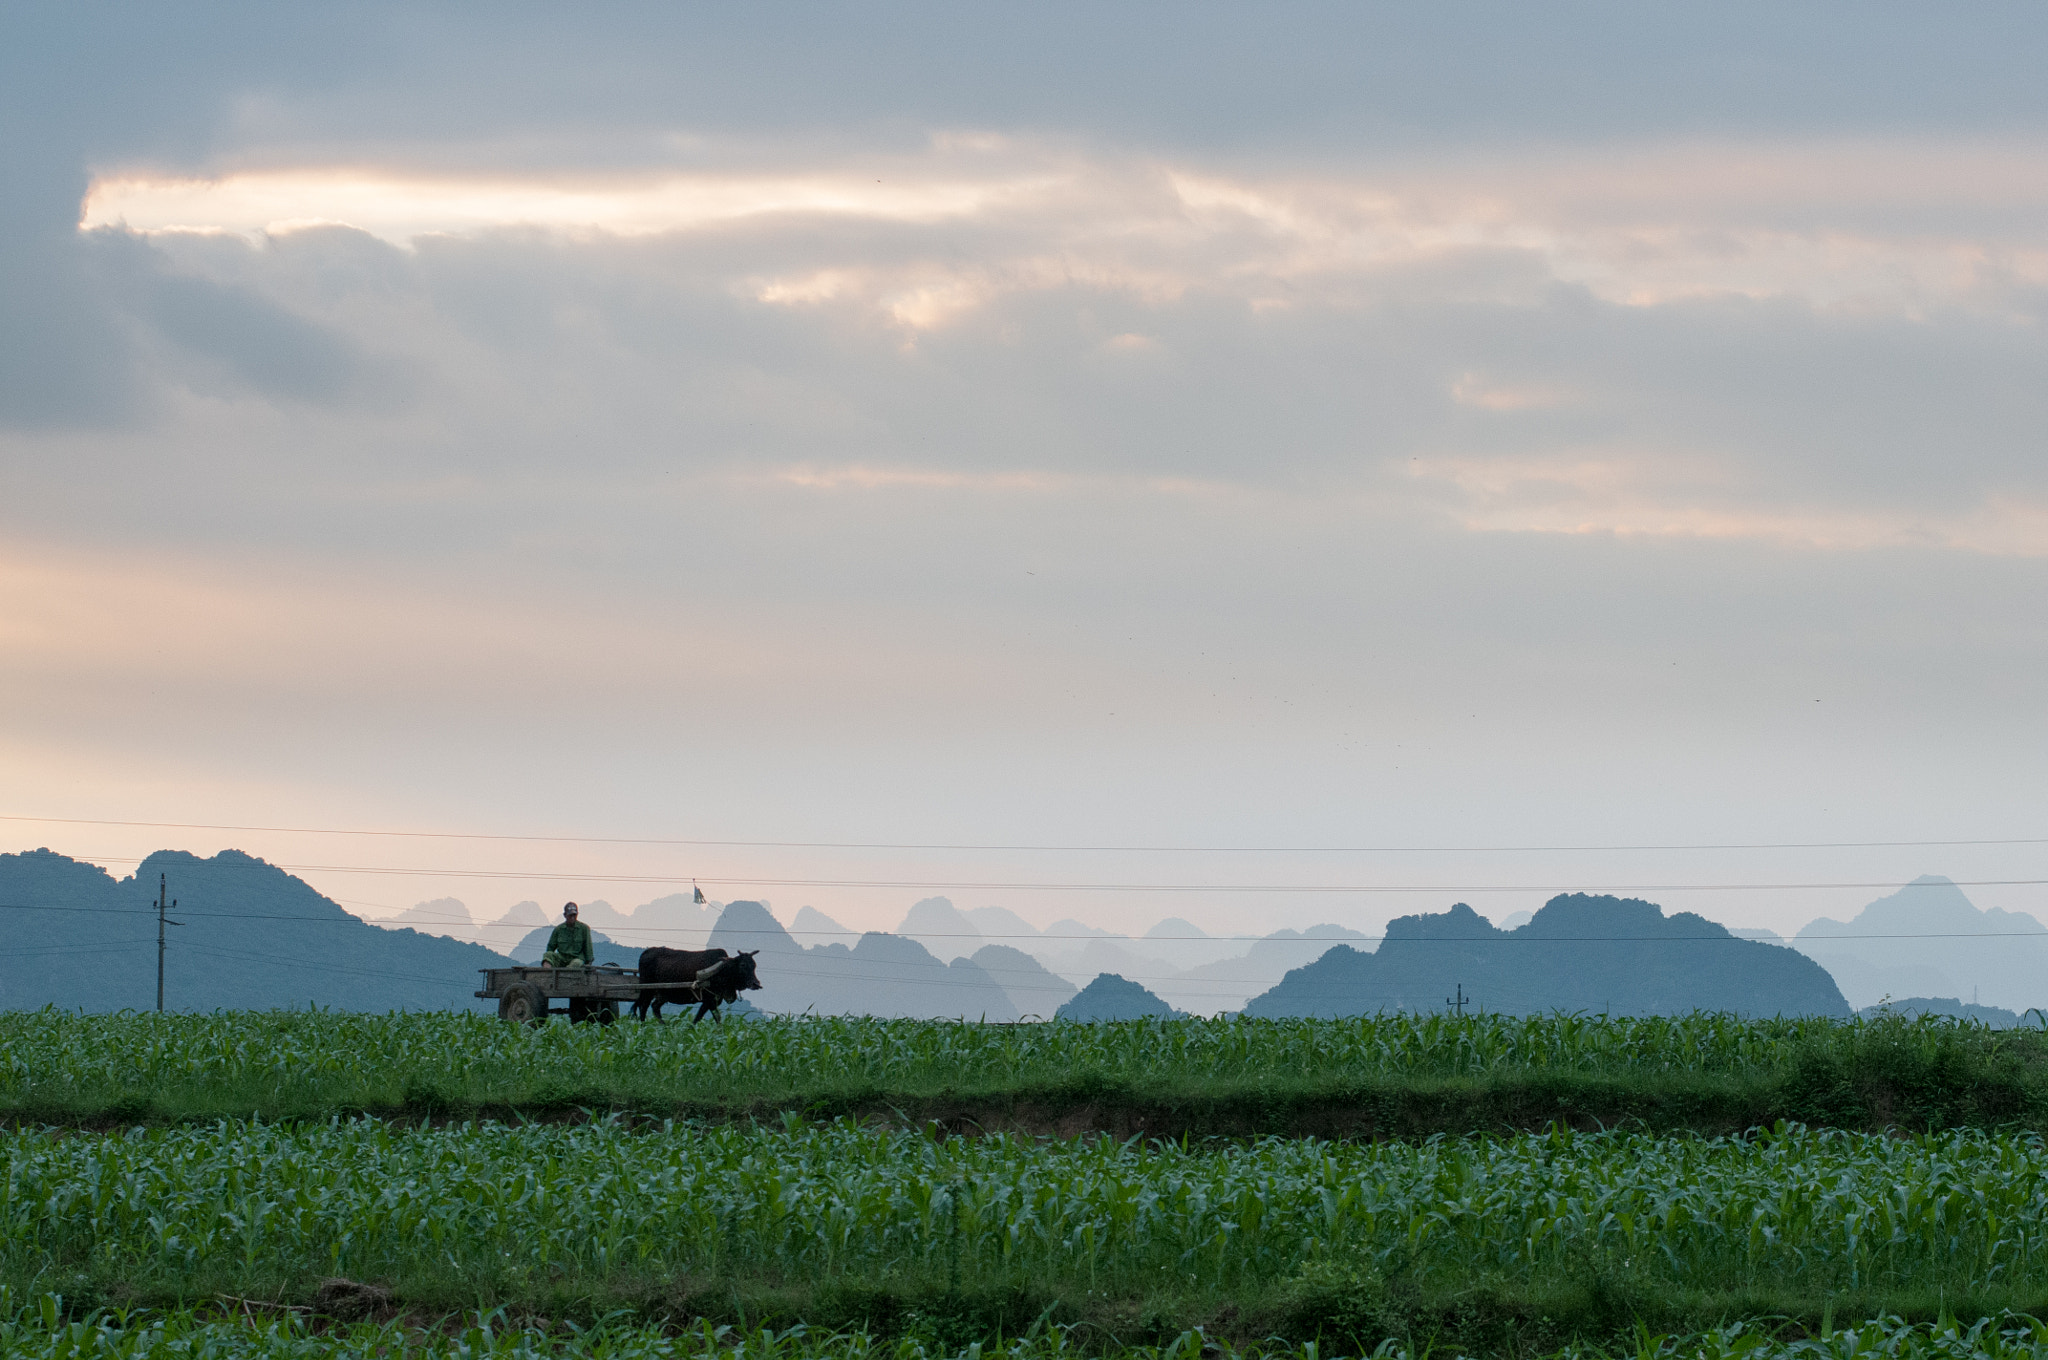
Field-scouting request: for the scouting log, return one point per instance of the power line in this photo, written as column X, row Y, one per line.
column 73, row 951
column 1501, row 937
column 1014, row 885
column 1039, row 849
column 295, row 964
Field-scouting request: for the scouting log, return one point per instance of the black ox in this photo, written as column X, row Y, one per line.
column 716, row 977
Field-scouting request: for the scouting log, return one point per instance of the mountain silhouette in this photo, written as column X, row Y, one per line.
column 1002, row 924
column 1929, row 940
column 1229, row 982
column 252, row 937
column 813, row 927
column 1110, row 997
column 443, row 916
column 1913, row 1007
column 881, row 974
column 1620, row 956
column 1033, row 989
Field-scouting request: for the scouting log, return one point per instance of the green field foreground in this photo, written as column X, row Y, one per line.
column 237, row 1332
column 1376, row 1076
column 1511, row 1245
column 312, row 1182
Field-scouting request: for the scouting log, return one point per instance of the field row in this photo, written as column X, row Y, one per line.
column 492, row 1212
column 42, row 1049
column 234, row 1330
column 1706, row 1071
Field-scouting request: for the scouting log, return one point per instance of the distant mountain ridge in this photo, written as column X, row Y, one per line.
column 881, row 974
column 675, row 920
column 1914, row 1006
column 1189, row 968
column 1036, row 991
column 255, row 937
column 1929, row 940
column 1612, row 955
column 1230, row 982
column 1109, row 997
column 252, row 937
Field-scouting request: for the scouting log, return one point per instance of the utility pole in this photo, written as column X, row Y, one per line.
column 1458, row 1006
column 162, row 888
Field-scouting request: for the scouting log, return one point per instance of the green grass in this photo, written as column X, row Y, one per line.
column 235, row 1330
column 1371, row 1076
column 1520, row 1244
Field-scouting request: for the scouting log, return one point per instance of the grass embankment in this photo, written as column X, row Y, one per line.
column 1398, row 1076
column 1515, row 1245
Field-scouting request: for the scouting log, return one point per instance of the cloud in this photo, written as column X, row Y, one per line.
column 1471, row 389
column 1612, row 492
column 1461, row 422
column 1719, row 340
column 397, row 208
column 1896, row 228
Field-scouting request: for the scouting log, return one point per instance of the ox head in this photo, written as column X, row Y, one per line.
column 730, row 977
column 745, row 978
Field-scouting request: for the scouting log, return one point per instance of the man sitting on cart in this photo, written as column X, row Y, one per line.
column 570, row 945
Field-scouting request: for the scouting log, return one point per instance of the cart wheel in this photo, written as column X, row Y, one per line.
column 523, row 1004
column 604, row 1012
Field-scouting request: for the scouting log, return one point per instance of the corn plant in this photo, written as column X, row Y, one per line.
column 500, row 1206
column 302, row 1062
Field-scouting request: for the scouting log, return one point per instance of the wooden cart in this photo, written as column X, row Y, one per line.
column 524, row 994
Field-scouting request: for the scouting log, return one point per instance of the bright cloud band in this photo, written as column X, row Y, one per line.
column 1819, row 224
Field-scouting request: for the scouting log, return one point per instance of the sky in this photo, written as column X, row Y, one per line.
column 1397, row 453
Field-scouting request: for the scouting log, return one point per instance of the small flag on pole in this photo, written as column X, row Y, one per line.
column 697, row 892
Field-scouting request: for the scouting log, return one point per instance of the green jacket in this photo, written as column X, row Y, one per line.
column 572, row 938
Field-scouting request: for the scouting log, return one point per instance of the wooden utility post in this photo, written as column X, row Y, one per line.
column 1458, row 1006
column 162, row 920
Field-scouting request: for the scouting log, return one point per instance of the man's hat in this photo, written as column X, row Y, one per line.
column 568, row 908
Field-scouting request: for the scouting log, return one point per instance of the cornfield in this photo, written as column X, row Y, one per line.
column 769, row 1211
column 53, row 1058
column 496, row 1207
